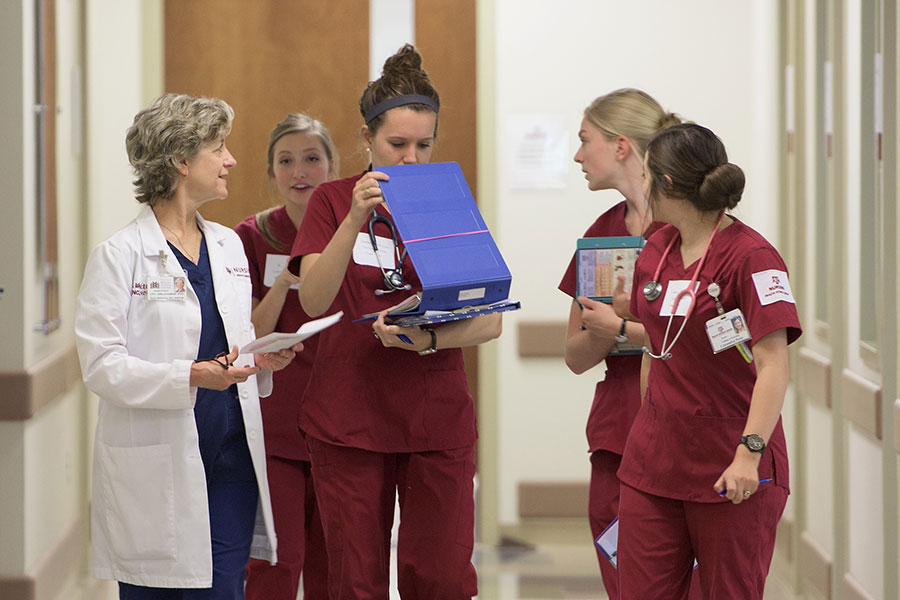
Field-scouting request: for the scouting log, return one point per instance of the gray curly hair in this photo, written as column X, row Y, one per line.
column 175, row 127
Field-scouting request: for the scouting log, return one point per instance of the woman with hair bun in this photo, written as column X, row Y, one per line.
column 387, row 411
column 614, row 132
column 300, row 156
column 705, row 470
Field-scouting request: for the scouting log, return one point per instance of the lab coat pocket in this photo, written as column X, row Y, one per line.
column 139, row 486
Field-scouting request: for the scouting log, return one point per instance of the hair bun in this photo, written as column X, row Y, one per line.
column 668, row 119
column 722, row 187
column 406, row 60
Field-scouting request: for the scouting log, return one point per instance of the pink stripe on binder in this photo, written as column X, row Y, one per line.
column 449, row 235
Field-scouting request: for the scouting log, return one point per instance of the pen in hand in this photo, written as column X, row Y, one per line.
column 761, row 481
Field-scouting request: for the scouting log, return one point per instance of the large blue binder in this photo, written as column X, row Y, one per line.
column 448, row 242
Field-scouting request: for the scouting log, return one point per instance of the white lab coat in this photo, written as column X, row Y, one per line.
column 150, row 513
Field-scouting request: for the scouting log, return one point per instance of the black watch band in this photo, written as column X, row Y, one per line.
column 754, row 443
column 432, row 348
column 622, row 337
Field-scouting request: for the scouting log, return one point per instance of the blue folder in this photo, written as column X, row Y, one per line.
column 448, row 242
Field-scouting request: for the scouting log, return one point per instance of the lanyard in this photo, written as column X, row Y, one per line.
column 665, row 352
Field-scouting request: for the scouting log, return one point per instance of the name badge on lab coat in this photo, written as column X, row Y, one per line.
column 275, row 264
column 168, row 288
column 364, row 254
column 727, row 330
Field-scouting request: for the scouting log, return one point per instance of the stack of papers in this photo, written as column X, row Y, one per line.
column 277, row 340
column 404, row 314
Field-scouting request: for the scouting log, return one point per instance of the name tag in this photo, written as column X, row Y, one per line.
column 727, row 330
column 675, row 287
column 167, row 288
column 364, row 253
column 275, row 264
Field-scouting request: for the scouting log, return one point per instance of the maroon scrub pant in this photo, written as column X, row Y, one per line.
column 603, row 506
column 355, row 490
column 301, row 542
column 658, row 539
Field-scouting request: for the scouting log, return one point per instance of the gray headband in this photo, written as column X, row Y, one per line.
column 398, row 101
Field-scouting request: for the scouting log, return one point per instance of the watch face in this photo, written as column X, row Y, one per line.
column 754, row 442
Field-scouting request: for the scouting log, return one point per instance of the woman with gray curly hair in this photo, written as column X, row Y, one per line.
column 179, row 464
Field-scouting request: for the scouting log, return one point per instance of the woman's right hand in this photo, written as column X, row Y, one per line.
column 214, row 375
column 366, row 196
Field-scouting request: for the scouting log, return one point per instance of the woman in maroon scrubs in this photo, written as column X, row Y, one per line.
column 614, row 133
column 300, row 156
column 383, row 417
column 705, row 470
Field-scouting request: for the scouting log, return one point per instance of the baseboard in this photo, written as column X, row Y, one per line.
column 553, row 499
column 53, row 572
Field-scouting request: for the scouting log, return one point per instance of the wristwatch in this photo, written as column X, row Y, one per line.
column 622, row 337
column 432, row 348
column 754, row 443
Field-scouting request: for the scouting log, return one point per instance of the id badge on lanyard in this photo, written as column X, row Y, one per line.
column 166, row 287
column 727, row 330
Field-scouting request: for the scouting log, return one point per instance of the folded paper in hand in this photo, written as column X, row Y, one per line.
column 277, row 340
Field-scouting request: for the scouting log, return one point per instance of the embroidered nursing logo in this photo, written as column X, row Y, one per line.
column 772, row 286
column 238, row 271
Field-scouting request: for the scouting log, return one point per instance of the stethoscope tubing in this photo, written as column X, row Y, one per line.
column 666, row 353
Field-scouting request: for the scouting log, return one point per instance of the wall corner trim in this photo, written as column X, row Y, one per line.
column 25, row 392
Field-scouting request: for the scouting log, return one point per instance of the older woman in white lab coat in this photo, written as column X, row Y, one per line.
column 179, row 463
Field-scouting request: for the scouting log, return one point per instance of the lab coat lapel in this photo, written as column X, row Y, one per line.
column 221, row 275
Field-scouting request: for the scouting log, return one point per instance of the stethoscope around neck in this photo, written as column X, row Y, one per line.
column 652, row 290
column 393, row 278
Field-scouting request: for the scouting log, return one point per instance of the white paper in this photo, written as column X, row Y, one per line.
column 364, row 254
column 789, row 98
column 538, row 151
column 878, row 92
column 675, row 287
column 608, row 541
column 275, row 264
column 828, row 89
column 276, row 341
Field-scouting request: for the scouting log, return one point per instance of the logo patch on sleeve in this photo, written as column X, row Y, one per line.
column 773, row 286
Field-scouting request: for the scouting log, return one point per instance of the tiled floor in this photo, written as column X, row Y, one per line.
column 540, row 559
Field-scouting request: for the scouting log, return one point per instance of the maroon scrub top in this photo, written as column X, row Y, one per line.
column 279, row 410
column 364, row 395
column 696, row 407
column 618, row 397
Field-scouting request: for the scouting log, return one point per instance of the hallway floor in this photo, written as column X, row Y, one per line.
column 541, row 559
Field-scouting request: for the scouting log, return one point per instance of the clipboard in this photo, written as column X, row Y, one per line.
column 436, row 317
column 448, row 242
column 608, row 543
column 600, row 260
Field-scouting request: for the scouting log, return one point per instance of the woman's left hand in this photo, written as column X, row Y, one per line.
column 391, row 336
column 276, row 361
column 741, row 479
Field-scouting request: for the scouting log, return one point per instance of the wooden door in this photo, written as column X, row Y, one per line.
column 270, row 57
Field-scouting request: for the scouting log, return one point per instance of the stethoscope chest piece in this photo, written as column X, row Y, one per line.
column 652, row 290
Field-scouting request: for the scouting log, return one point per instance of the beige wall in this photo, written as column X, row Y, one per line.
column 105, row 69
